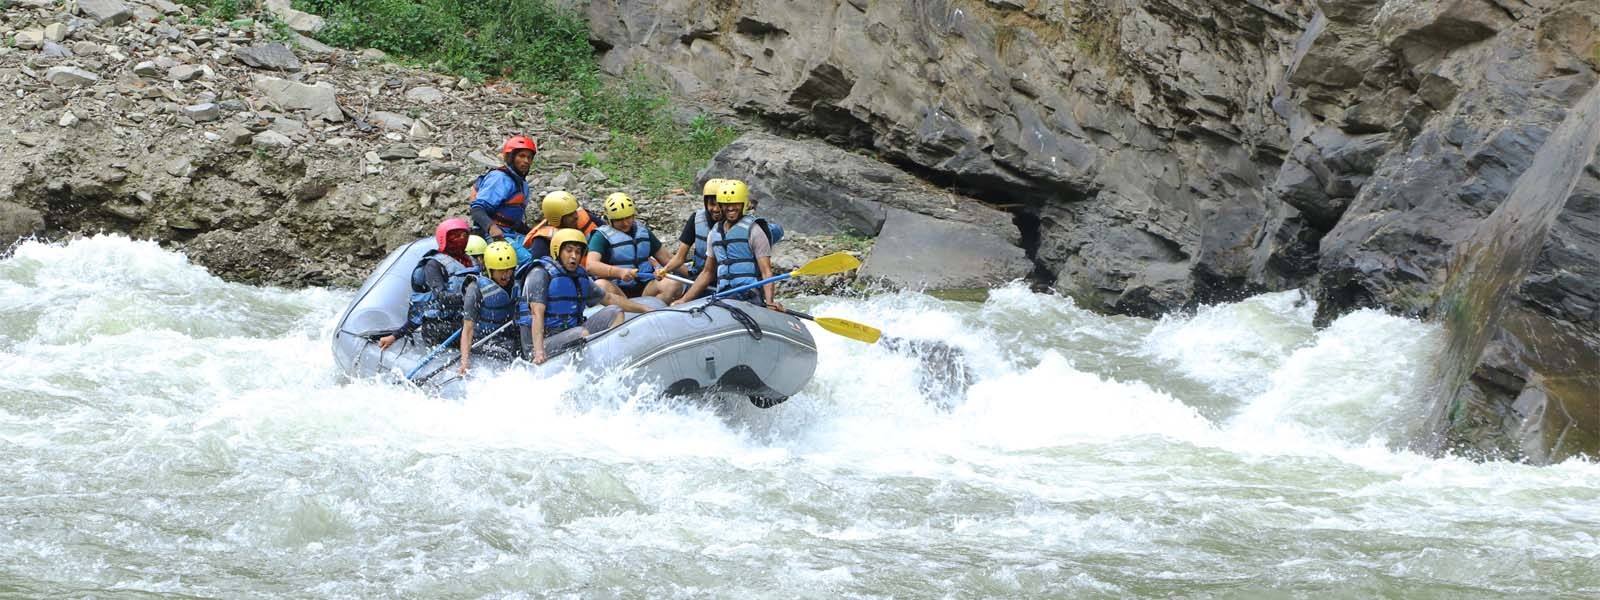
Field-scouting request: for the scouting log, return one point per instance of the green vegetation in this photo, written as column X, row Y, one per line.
column 216, row 10
column 546, row 48
column 524, row 40
column 534, row 43
column 648, row 146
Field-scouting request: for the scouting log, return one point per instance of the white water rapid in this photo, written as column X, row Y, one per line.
column 167, row 434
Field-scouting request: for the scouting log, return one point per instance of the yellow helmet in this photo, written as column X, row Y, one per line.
column 564, row 237
column 619, row 206
column 475, row 246
column 733, row 191
column 500, row 255
column 712, row 185
column 558, row 204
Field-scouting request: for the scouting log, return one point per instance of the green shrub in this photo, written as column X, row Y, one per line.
column 220, row 10
column 531, row 41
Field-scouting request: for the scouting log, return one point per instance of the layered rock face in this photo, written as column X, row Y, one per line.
column 1166, row 153
column 1149, row 128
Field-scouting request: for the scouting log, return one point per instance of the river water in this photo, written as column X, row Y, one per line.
column 167, row 434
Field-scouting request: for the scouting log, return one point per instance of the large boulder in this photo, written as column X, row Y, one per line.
column 1135, row 116
column 813, row 188
column 1162, row 154
column 16, row 222
column 301, row 22
column 274, row 56
column 917, row 251
column 320, row 101
column 105, row 12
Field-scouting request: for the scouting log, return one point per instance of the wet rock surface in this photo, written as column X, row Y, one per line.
column 1165, row 154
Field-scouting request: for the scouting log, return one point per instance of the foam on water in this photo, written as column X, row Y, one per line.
column 167, row 432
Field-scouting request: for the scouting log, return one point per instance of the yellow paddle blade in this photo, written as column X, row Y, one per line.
column 837, row 262
column 850, row 329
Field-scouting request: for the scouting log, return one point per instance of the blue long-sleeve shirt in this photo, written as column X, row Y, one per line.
column 500, row 197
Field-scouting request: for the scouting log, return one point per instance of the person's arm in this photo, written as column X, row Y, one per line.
column 469, row 309
column 493, row 189
column 598, row 267
column 535, row 288
column 678, row 259
column 658, row 253
column 439, row 282
column 482, row 221
column 466, row 345
column 624, row 302
column 537, row 332
column 761, row 247
column 700, row 282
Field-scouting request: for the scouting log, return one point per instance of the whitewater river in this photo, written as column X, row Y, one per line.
column 166, row 434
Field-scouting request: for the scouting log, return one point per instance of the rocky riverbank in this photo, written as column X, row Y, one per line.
column 268, row 160
column 1159, row 155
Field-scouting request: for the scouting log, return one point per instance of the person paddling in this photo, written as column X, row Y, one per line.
column 436, row 284
column 557, row 290
column 492, row 302
column 740, row 251
column 626, row 252
column 692, row 241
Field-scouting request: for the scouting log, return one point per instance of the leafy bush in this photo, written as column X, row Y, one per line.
column 531, row 41
column 221, row 10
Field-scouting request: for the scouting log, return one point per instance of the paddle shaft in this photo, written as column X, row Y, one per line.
column 435, row 352
column 751, row 286
column 475, row 346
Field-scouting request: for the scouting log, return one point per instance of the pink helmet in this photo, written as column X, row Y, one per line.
column 445, row 227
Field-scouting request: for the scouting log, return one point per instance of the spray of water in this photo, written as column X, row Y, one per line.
column 163, row 431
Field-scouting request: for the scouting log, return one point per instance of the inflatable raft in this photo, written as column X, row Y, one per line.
column 719, row 346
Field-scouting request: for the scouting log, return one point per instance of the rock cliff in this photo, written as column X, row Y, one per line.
column 1161, row 154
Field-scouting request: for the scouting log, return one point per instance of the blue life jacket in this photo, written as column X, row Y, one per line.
column 566, row 297
column 507, row 209
column 497, row 306
column 629, row 251
column 736, row 263
column 425, row 303
column 702, row 228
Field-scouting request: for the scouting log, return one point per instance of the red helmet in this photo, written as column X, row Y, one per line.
column 445, row 227
column 517, row 142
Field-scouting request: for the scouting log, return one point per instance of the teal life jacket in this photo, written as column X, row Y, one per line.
column 629, row 252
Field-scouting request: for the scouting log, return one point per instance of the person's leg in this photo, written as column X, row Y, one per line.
column 603, row 319
column 560, row 341
column 608, row 286
column 665, row 289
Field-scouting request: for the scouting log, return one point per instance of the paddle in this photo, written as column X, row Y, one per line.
column 837, row 262
column 475, row 346
column 947, row 377
column 850, row 329
column 436, row 351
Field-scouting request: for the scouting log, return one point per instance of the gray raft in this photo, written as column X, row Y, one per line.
column 725, row 346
